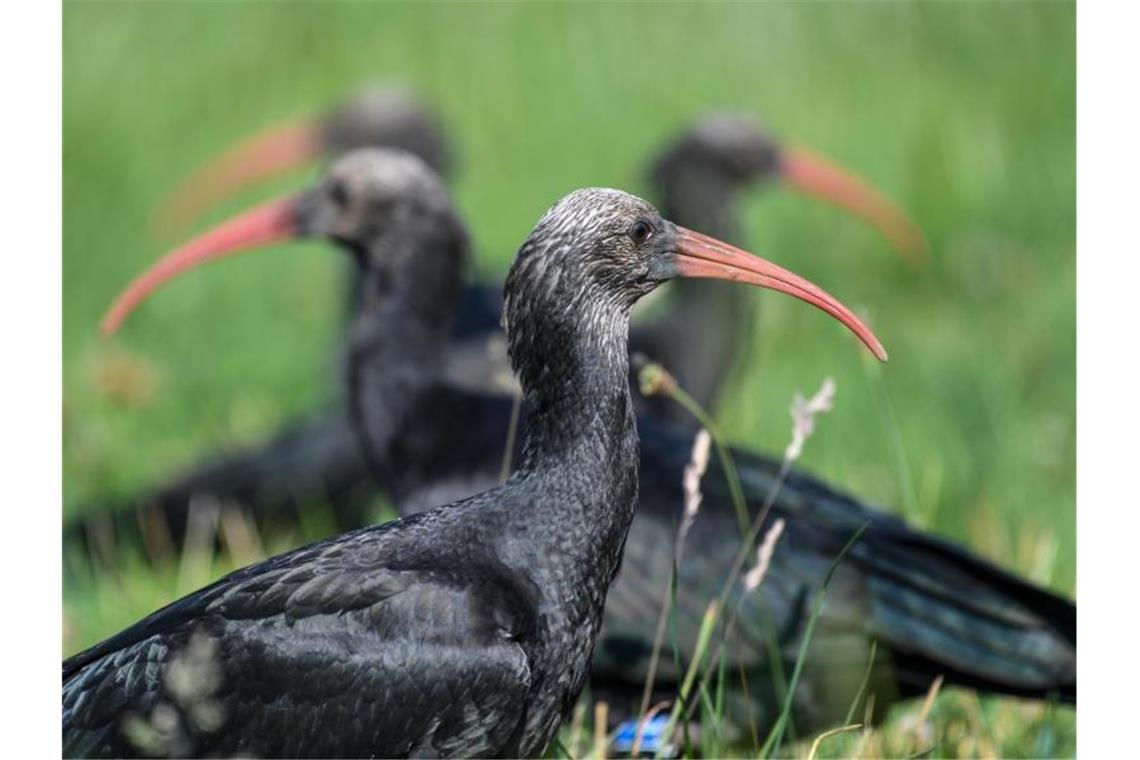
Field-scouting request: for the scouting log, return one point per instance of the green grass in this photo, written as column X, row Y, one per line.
column 965, row 113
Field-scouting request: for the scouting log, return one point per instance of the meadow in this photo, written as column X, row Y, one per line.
column 964, row 113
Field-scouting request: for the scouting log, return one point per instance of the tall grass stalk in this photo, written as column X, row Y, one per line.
column 601, row 718
column 560, row 748
column 575, row 737
column 708, row 623
column 155, row 531
column 777, row 734
column 648, row 715
column 240, row 536
column 907, row 491
column 102, row 549
column 654, row 380
column 711, row 741
column 698, row 463
column 776, row 663
column 727, row 625
column 198, row 546
column 803, row 416
column 754, row 577
column 752, row 728
column 863, row 685
column 931, row 696
column 751, row 582
column 718, row 710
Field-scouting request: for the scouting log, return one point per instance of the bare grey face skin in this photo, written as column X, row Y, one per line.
column 366, row 192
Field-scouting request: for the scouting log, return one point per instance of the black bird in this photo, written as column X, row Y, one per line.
column 697, row 178
column 313, row 458
column 467, row 629
column 932, row 607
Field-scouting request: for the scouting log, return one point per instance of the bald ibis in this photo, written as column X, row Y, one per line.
column 313, row 458
column 698, row 180
column 467, row 629
column 933, row 608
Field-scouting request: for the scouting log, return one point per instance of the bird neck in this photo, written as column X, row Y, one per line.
column 710, row 318
column 575, row 390
column 399, row 333
column 702, row 198
column 581, row 450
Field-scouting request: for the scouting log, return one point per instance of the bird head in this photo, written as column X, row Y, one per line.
column 383, row 115
column 369, row 196
column 372, row 202
column 728, row 147
column 599, row 250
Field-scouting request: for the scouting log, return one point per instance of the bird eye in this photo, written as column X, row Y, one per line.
column 339, row 194
column 640, row 231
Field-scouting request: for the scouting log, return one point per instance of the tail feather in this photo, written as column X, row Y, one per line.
column 933, row 607
column 954, row 614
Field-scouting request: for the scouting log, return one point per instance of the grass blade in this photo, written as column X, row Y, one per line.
column 708, row 623
column 827, row 734
column 777, row 734
column 862, row 686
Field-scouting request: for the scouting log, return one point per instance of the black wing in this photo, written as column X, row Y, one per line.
column 323, row 651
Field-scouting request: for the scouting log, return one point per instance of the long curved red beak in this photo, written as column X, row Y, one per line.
column 269, row 222
column 268, row 154
column 702, row 256
column 813, row 174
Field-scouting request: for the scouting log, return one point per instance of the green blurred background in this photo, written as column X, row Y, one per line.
column 964, row 113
